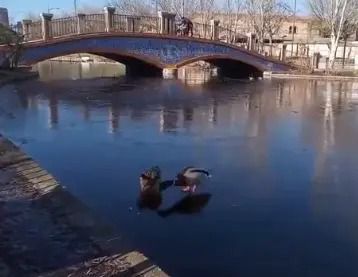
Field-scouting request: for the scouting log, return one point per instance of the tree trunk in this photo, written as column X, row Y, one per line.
column 261, row 42
column 344, row 51
column 270, row 45
column 332, row 52
column 261, row 48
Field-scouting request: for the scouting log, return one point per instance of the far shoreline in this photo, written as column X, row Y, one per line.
column 311, row 76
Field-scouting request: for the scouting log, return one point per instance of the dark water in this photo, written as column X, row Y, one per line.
column 283, row 200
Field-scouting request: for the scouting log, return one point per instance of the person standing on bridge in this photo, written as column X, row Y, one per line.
column 185, row 27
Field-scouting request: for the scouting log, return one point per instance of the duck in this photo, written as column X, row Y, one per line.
column 190, row 177
column 150, row 196
column 150, row 180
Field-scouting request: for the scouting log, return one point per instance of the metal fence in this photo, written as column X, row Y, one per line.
column 35, row 32
column 149, row 24
column 94, row 23
column 230, row 36
column 63, row 26
column 202, row 30
column 119, row 23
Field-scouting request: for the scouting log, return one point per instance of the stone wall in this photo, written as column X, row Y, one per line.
column 45, row 231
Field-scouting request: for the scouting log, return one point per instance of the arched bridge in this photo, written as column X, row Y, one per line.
column 143, row 52
column 146, row 45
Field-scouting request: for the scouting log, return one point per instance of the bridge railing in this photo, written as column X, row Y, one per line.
column 36, row 31
column 230, row 36
column 149, row 24
column 135, row 24
column 93, row 23
column 119, row 23
column 202, row 31
column 109, row 21
column 64, row 26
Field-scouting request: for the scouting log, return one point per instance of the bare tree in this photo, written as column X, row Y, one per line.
column 85, row 9
column 205, row 9
column 133, row 7
column 336, row 16
column 256, row 10
column 232, row 11
column 88, row 9
column 13, row 41
column 277, row 13
column 182, row 8
column 32, row 16
column 266, row 18
column 348, row 30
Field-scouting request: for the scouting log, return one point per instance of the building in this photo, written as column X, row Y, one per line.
column 300, row 29
column 4, row 16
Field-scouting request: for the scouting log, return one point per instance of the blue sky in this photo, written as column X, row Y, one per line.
column 19, row 8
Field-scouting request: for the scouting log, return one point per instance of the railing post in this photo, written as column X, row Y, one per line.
column 108, row 18
column 171, row 24
column 214, row 28
column 46, row 25
column 131, row 20
column 283, row 52
column 81, row 23
column 166, row 23
column 26, row 28
column 251, row 41
column 162, row 22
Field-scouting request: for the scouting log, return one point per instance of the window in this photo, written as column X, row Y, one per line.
column 294, row 28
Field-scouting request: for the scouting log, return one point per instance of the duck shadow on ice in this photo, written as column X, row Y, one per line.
column 187, row 205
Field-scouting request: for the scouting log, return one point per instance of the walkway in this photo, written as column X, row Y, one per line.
column 46, row 231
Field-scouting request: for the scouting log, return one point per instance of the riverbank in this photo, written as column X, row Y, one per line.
column 269, row 75
column 46, row 231
column 20, row 74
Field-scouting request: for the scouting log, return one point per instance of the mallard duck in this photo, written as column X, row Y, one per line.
column 150, row 179
column 190, row 177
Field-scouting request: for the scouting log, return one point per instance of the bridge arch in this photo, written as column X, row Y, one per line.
column 229, row 66
column 135, row 64
column 150, row 53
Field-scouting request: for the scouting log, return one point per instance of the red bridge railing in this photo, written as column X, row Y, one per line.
column 63, row 26
column 109, row 21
